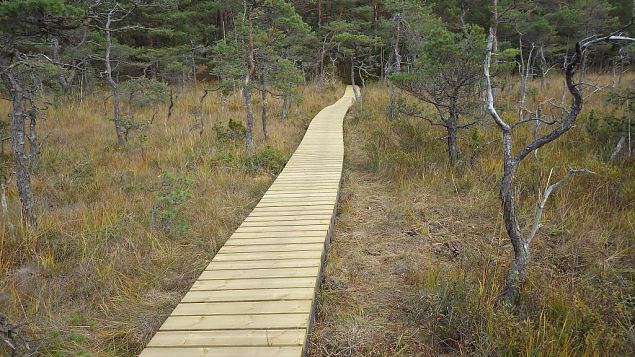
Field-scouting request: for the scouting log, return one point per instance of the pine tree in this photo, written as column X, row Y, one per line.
column 23, row 64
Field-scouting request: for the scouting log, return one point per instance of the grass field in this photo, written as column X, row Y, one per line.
column 123, row 232
column 419, row 252
column 418, row 255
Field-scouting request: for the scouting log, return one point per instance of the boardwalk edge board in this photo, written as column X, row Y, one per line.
column 257, row 297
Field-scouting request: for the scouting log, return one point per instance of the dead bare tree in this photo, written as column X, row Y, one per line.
column 105, row 17
column 201, row 112
column 400, row 24
column 511, row 160
column 251, row 72
column 623, row 97
column 525, row 69
column 76, row 63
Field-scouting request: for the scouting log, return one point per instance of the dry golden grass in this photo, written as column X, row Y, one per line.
column 419, row 251
column 123, row 232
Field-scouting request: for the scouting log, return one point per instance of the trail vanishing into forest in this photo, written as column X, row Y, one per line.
column 256, row 297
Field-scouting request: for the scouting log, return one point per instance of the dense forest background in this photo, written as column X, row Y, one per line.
column 136, row 136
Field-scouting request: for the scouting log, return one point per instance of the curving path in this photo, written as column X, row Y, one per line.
column 256, row 297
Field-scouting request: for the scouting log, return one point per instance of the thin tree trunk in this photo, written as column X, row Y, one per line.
column 618, row 148
column 362, row 88
column 451, row 126
column 223, row 23
column 543, row 67
column 628, row 114
column 250, row 119
column 171, row 106
column 382, row 73
column 247, row 87
column 5, row 206
column 355, row 93
column 452, row 146
column 263, row 96
column 614, row 73
column 33, row 159
column 391, row 108
column 495, row 27
column 516, row 274
column 193, row 63
column 61, row 78
column 525, row 72
column 114, row 86
column 285, row 105
column 201, row 114
column 224, row 99
column 537, row 126
column 621, row 73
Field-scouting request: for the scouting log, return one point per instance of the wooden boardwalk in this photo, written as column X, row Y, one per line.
column 256, row 297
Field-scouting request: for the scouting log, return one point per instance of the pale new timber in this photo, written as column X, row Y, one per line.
column 257, row 296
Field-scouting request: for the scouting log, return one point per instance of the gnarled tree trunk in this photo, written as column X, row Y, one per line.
column 21, row 160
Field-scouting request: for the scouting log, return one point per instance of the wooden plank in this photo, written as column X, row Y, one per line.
column 330, row 198
column 261, row 256
column 273, row 241
column 249, row 295
column 264, row 264
column 272, row 248
column 239, row 351
column 291, row 337
column 327, row 215
column 284, row 228
column 265, row 283
column 259, row 273
column 305, row 188
column 296, row 204
column 290, row 211
column 278, row 234
column 286, row 223
column 281, row 191
column 300, row 195
column 309, row 179
column 243, row 307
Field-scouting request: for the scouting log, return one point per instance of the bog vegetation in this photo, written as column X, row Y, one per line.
column 489, row 186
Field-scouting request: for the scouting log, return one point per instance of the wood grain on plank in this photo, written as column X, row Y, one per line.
column 290, row 337
column 243, row 307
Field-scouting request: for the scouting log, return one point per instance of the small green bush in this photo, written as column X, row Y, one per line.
column 173, row 193
column 234, row 131
column 268, row 159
